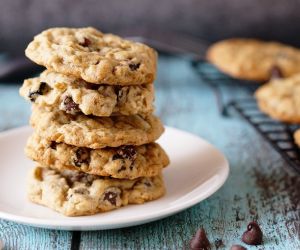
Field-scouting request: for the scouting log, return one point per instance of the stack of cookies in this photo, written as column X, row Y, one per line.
column 277, row 65
column 94, row 130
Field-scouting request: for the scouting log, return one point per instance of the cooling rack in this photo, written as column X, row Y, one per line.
column 278, row 134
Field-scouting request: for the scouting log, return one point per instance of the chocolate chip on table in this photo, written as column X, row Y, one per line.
column 134, row 66
column 86, row 42
column 200, row 241
column 125, row 152
column 70, row 106
column 238, row 247
column 276, row 73
column 253, row 235
column 82, row 155
column 43, row 89
column 219, row 243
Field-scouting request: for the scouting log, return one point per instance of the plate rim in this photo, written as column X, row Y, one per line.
column 141, row 219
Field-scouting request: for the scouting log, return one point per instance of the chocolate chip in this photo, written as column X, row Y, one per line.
column 91, row 86
column 200, row 241
column 118, row 92
column 276, row 73
column 111, row 197
column 86, row 42
column 219, row 243
column 125, row 152
column 147, row 183
column 70, row 106
column 238, row 247
column 43, row 89
column 253, row 235
column 74, row 176
column 134, row 66
column 53, row 145
column 82, row 155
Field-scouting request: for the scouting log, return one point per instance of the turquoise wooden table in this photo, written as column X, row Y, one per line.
column 260, row 186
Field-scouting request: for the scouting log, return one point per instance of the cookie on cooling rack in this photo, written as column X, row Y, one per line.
column 280, row 99
column 252, row 59
column 297, row 137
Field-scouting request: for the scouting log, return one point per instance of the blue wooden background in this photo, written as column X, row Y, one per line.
column 260, row 185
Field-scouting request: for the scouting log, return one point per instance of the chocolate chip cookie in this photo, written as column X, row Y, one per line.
column 93, row 56
column 57, row 91
column 95, row 132
column 280, row 99
column 74, row 193
column 254, row 59
column 127, row 162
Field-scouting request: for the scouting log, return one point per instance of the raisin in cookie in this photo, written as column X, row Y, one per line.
column 74, row 193
column 280, row 99
column 93, row 56
column 95, row 132
column 57, row 91
column 127, row 162
column 254, row 59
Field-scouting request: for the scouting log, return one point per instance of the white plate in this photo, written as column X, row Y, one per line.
column 197, row 170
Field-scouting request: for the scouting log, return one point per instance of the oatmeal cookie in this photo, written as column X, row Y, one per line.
column 252, row 59
column 74, row 193
column 93, row 56
column 125, row 162
column 58, row 91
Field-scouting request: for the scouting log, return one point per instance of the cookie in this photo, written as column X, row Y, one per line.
column 280, row 99
column 93, row 56
column 297, row 137
column 57, row 91
column 252, row 59
column 125, row 162
column 74, row 193
column 95, row 132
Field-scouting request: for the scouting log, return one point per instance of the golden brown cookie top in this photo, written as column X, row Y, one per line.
column 280, row 98
column 253, row 59
column 93, row 56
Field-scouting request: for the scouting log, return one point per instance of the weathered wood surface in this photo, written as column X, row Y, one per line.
column 260, row 186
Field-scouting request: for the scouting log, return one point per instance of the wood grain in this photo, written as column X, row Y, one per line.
column 260, row 186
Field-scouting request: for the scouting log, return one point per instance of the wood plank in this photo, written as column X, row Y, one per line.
column 17, row 236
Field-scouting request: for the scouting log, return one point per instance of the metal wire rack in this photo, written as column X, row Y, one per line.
column 278, row 134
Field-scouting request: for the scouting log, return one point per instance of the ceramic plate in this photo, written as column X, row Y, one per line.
column 197, row 170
